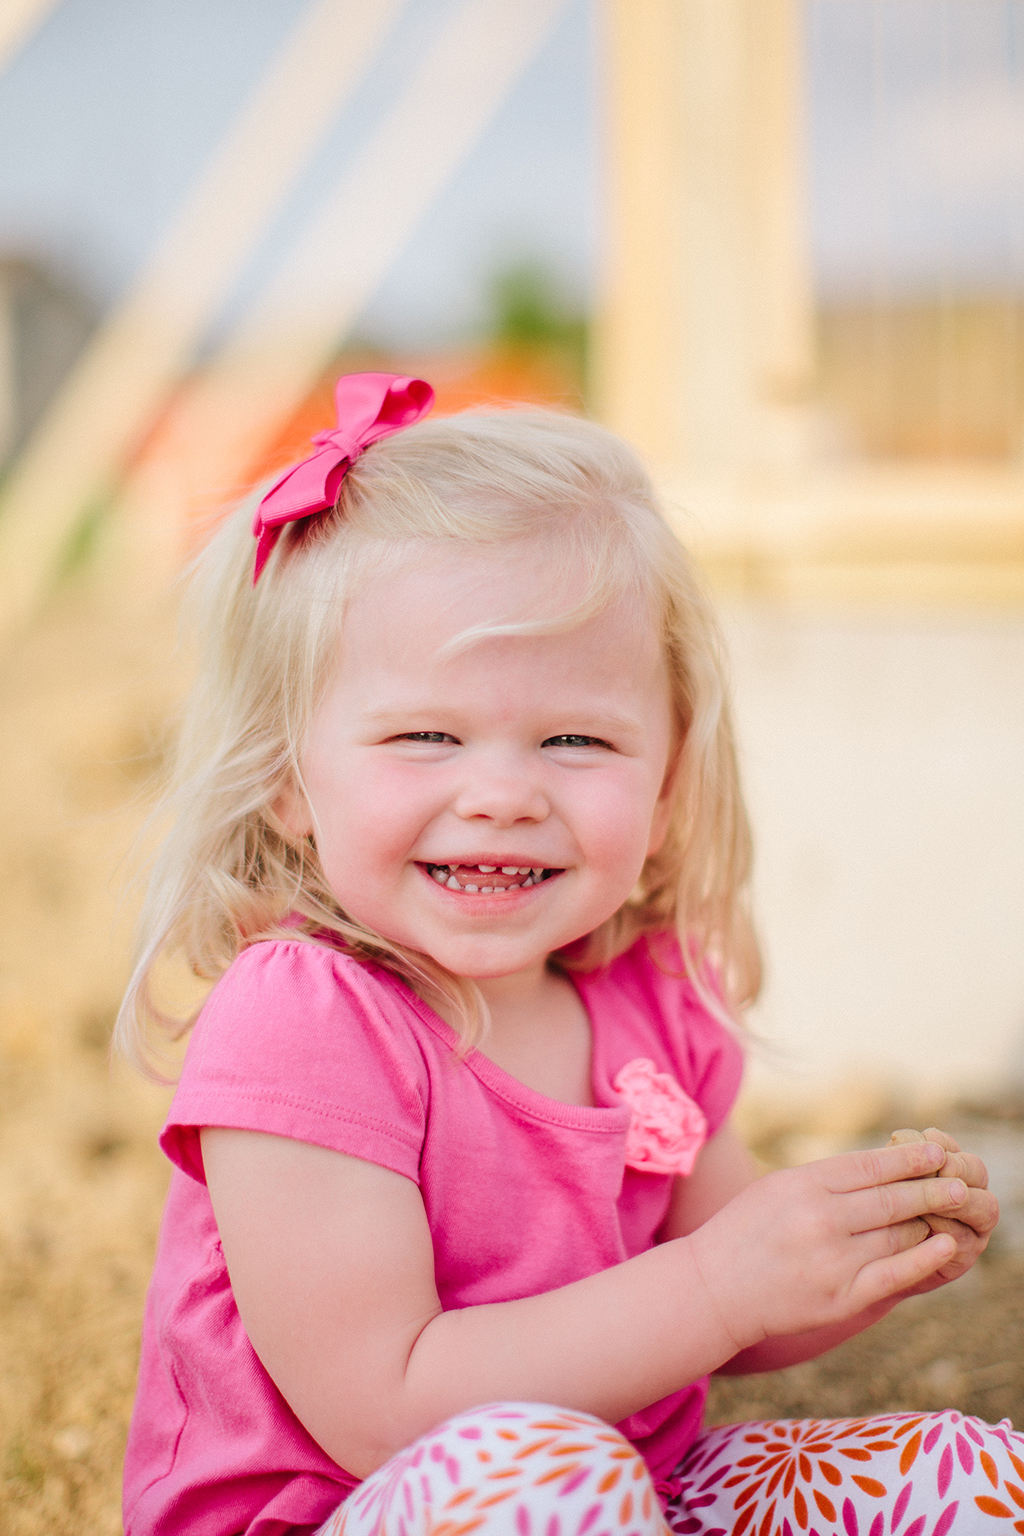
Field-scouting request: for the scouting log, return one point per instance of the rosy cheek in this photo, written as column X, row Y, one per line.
column 390, row 804
column 615, row 834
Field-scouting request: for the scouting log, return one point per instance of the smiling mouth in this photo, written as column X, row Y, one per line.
column 488, row 879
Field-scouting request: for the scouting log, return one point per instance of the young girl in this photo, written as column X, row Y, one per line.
column 458, row 828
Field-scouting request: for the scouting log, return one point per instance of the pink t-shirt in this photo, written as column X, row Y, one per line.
column 522, row 1193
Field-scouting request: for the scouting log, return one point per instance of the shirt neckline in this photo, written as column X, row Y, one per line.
column 613, row 1118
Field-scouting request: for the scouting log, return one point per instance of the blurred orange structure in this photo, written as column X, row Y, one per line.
column 495, row 375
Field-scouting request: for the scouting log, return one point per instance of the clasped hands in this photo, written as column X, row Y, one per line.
column 807, row 1247
column 972, row 1224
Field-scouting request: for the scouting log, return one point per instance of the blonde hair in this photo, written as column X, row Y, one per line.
column 230, row 873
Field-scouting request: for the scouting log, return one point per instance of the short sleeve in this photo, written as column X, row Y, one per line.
column 299, row 1041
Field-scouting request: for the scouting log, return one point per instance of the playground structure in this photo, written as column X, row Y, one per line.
column 707, row 337
column 704, row 356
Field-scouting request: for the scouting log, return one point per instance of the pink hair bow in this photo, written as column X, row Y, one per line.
column 370, row 406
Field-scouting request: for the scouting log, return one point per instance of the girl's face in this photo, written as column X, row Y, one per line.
column 488, row 805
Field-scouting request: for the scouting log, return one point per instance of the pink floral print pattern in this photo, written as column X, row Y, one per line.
column 525, row 1469
column 667, row 1129
column 935, row 1474
column 510, row 1469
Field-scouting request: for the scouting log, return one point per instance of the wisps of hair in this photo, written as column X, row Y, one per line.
column 229, row 873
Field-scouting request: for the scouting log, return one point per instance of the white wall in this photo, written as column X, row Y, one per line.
column 884, row 764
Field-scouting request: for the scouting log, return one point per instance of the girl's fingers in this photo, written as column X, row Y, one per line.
column 881, row 1165
column 966, row 1166
column 888, row 1204
column 905, row 1234
column 969, row 1229
column 884, row 1242
column 969, row 1245
column 932, row 1133
column 959, row 1231
column 959, row 1164
column 885, row 1277
column 979, row 1212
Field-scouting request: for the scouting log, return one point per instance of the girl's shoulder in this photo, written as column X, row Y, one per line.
column 300, row 1040
column 295, row 976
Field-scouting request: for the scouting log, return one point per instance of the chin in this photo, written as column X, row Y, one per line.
column 486, row 967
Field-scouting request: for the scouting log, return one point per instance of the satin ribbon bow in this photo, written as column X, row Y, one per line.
column 370, row 406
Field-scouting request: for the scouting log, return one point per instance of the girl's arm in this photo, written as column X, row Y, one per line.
column 725, row 1167
column 332, row 1268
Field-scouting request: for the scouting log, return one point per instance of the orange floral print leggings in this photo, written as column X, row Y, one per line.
column 524, row 1469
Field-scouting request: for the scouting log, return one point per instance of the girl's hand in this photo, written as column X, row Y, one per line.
column 813, row 1246
column 973, row 1223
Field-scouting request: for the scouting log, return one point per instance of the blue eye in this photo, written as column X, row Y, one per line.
column 571, row 740
column 432, row 738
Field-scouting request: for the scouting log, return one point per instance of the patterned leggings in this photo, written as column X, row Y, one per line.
column 524, row 1469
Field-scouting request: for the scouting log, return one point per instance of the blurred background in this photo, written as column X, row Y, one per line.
column 779, row 245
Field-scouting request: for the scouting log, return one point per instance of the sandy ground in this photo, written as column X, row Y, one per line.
column 84, row 700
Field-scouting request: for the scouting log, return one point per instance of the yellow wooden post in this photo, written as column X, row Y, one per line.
column 704, row 344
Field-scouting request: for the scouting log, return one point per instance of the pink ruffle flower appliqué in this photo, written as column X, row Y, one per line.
column 667, row 1128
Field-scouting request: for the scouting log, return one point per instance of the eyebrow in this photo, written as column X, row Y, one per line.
column 571, row 722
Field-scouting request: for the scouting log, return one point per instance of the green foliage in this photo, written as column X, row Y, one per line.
column 83, row 540
column 529, row 312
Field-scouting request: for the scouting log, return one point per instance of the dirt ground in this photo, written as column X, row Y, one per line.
column 962, row 1347
column 84, row 700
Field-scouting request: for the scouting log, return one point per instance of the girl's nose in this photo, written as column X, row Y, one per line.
column 503, row 795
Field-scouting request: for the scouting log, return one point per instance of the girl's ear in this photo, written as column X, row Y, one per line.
column 292, row 810
column 660, row 820
column 662, row 815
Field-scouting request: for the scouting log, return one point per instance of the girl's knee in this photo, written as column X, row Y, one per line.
column 969, row 1434
column 509, row 1421
column 538, row 1445
column 528, row 1469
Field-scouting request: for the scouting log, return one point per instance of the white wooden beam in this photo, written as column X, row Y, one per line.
column 19, row 19
column 296, row 324
column 124, row 375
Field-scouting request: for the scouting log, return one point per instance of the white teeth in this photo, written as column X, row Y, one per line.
column 442, row 873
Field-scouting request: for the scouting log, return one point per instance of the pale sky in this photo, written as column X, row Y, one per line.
column 916, row 165
column 917, row 168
